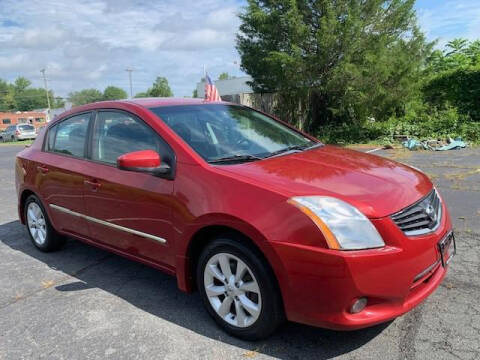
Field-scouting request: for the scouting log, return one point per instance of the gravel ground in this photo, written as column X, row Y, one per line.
column 84, row 303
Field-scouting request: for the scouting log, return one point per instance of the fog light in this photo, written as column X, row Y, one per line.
column 358, row 305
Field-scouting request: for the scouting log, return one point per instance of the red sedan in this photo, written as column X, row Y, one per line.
column 264, row 220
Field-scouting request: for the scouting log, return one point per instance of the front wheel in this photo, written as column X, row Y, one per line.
column 40, row 230
column 238, row 289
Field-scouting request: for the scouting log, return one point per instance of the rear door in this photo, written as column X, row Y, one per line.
column 129, row 211
column 60, row 178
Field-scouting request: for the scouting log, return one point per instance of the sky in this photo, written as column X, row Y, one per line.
column 90, row 43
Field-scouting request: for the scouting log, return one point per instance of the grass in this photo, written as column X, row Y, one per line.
column 20, row 142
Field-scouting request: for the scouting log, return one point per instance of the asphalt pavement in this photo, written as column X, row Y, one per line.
column 85, row 303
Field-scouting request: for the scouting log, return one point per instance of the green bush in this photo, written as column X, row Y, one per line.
column 421, row 123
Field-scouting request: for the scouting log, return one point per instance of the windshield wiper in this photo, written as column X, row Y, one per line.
column 293, row 148
column 235, row 158
column 314, row 146
column 287, row 149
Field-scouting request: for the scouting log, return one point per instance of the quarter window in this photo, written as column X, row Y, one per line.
column 70, row 135
column 118, row 133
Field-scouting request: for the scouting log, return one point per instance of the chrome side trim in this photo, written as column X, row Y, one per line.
column 109, row 224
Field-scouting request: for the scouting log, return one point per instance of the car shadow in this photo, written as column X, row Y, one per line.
column 157, row 293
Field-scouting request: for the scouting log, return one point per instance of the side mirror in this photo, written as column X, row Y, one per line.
column 147, row 161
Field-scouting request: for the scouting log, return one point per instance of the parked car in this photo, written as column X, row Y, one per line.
column 18, row 132
column 265, row 221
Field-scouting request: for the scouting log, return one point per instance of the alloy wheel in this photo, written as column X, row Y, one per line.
column 232, row 290
column 36, row 223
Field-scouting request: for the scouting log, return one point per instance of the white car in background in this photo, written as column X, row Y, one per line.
column 18, row 132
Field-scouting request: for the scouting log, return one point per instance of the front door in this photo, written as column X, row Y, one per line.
column 129, row 211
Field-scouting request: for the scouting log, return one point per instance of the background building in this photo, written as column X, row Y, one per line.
column 35, row 118
column 230, row 89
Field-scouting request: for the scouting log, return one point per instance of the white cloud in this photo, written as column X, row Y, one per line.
column 89, row 43
column 446, row 20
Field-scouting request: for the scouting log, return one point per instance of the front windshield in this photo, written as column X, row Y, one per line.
column 217, row 131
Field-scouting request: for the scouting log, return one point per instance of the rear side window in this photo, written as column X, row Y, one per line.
column 118, row 133
column 69, row 136
column 26, row 127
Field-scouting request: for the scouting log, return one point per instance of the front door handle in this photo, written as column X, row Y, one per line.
column 42, row 169
column 94, row 184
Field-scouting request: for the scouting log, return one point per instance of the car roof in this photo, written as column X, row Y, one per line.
column 169, row 101
column 142, row 102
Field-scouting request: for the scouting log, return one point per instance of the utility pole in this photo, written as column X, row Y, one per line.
column 46, row 89
column 130, row 70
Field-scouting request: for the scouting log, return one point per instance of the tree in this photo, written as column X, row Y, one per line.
column 21, row 84
column 114, row 93
column 142, row 94
column 225, row 76
column 7, row 101
column 32, row 98
column 452, row 78
column 342, row 60
column 195, row 93
column 160, row 88
column 85, row 96
column 20, row 96
column 456, row 46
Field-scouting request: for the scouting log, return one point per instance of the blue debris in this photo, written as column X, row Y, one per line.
column 412, row 144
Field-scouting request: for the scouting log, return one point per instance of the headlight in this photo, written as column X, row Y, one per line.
column 344, row 227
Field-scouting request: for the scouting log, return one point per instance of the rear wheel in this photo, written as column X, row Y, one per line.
column 238, row 289
column 40, row 230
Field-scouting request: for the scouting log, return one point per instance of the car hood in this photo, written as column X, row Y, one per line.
column 377, row 186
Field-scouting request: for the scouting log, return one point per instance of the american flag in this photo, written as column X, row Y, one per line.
column 211, row 92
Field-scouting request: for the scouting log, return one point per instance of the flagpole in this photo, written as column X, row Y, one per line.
column 205, row 79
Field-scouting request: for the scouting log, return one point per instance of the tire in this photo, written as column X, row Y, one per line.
column 254, row 295
column 39, row 228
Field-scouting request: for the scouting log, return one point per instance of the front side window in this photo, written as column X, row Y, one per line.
column 118, row 133
column 217, row 131
column 70, row 135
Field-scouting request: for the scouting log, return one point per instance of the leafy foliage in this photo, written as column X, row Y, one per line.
column 422, row 124
column 114, row 93
column 225, row 76
column 453, row 78
column 85, row 96
column 21, row 96
column 343, row 60
column 160, row 88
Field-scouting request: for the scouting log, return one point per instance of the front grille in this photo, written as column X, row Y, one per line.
column 420, row 218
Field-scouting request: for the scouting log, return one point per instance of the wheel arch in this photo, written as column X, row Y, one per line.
column 21, row 205
column 249, row 236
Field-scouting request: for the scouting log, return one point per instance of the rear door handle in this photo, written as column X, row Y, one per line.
column 94, row 184
column 42, row 169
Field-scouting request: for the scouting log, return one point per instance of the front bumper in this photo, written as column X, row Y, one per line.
column 322, row 284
